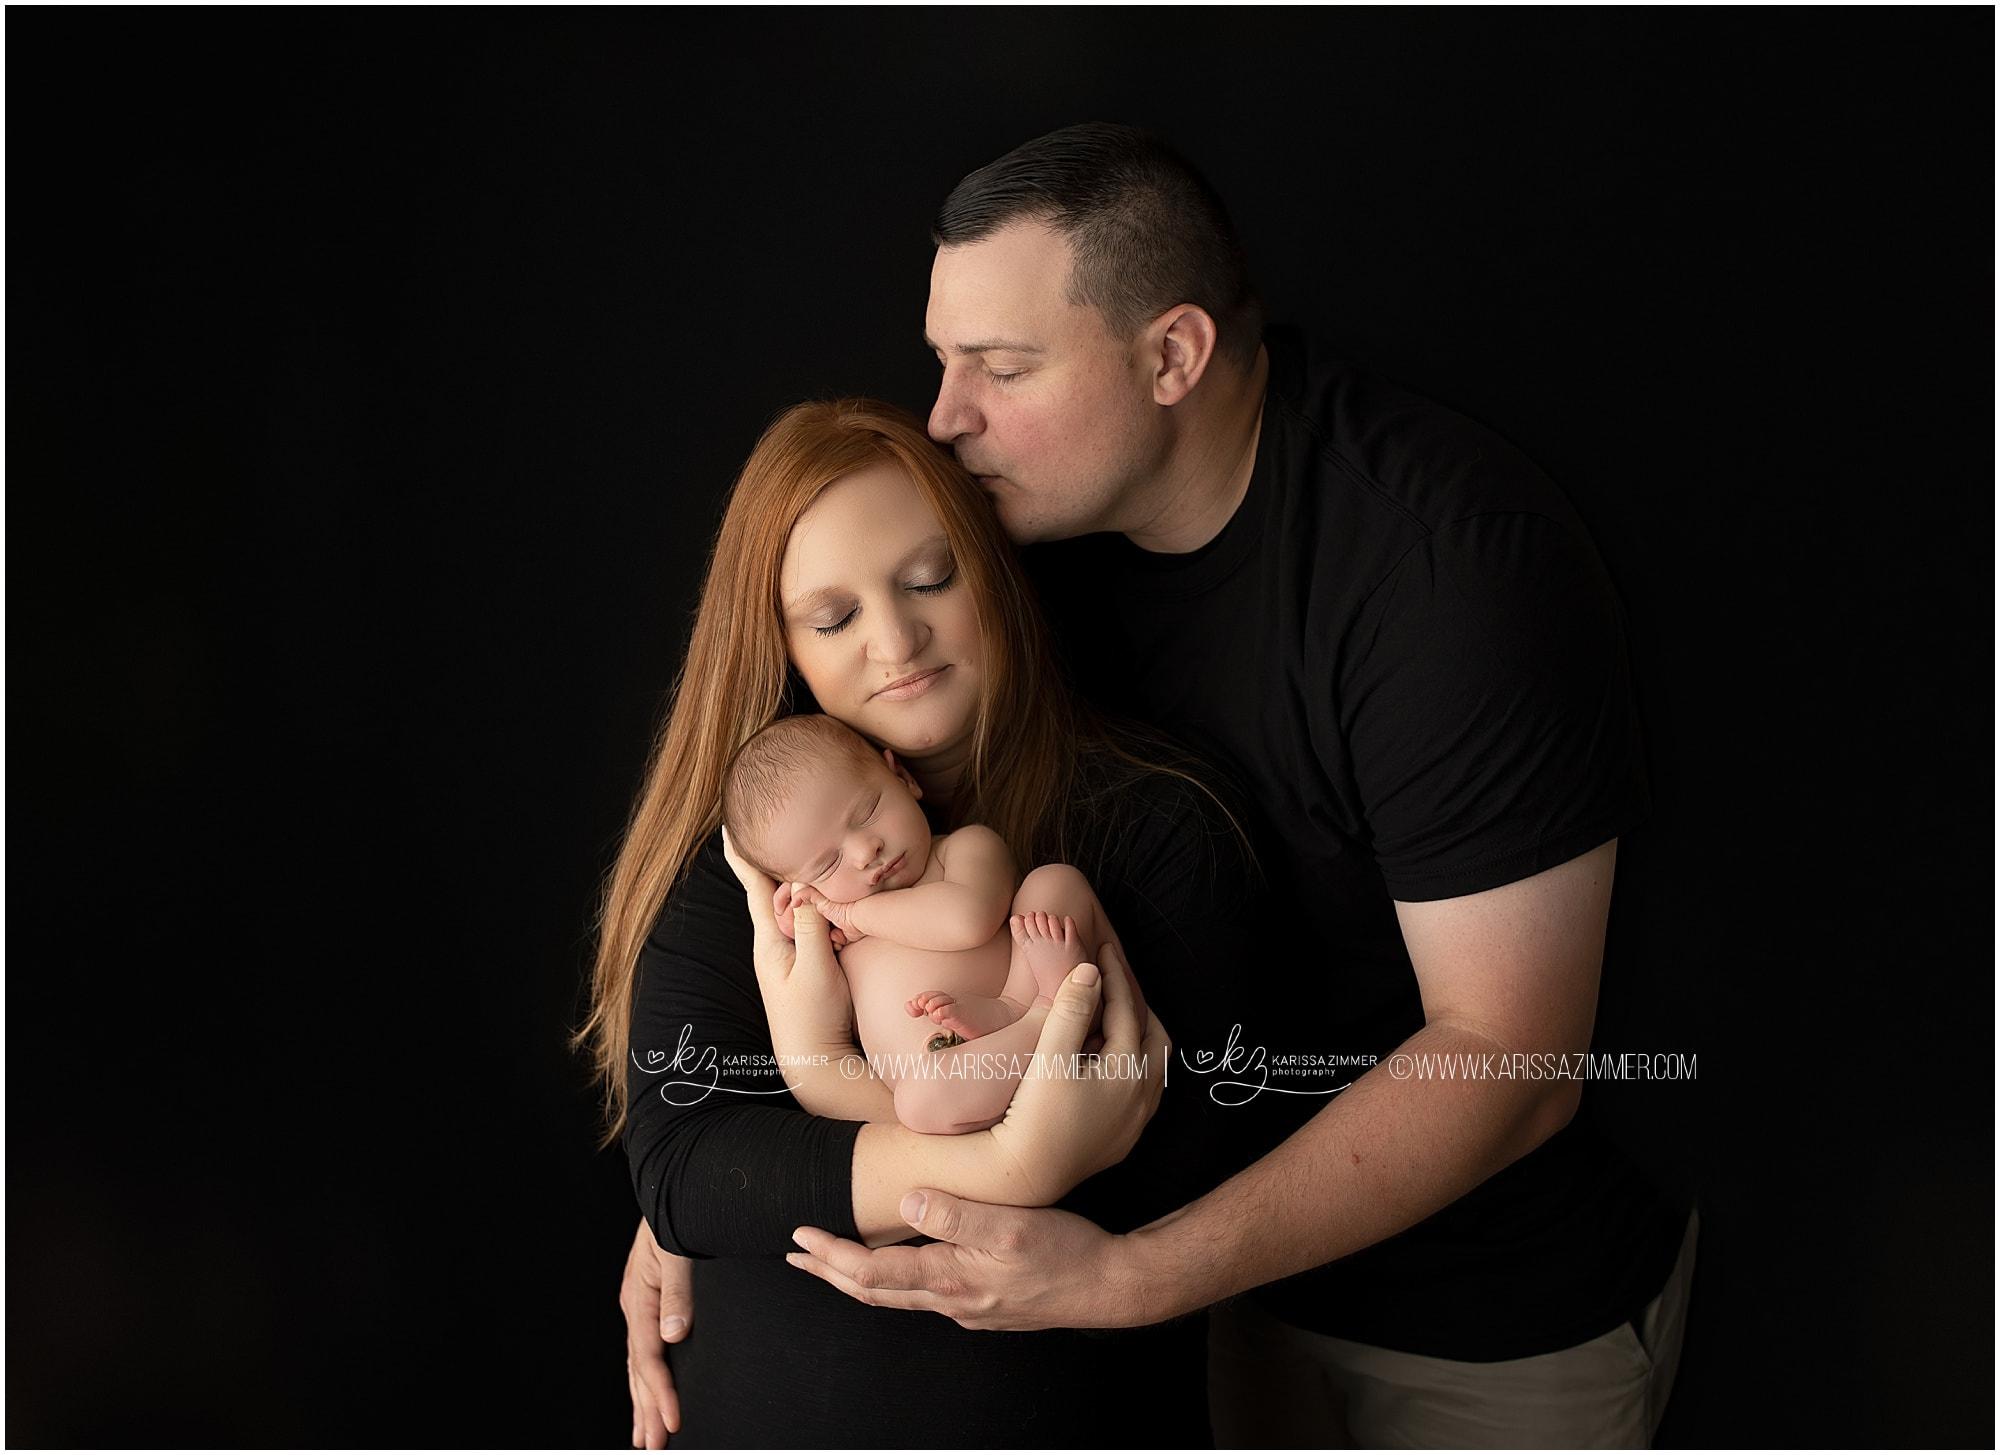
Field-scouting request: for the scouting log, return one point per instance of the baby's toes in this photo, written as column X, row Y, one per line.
column 1017, row 926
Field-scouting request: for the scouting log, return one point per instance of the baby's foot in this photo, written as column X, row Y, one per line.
column 1050, row 946
column 967, row 1017
column 930, row 1000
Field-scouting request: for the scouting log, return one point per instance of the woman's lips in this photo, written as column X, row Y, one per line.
column 906, row 688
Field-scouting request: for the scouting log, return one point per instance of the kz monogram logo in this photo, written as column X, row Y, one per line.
column 691, row 1060
column 1245, row 1061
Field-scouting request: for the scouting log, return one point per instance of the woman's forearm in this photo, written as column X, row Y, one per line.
column 826, row 1086
column 890, row 1159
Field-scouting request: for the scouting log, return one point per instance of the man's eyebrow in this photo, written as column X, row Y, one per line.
column 986, row 346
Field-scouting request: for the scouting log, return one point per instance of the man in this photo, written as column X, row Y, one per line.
column 1393, row 632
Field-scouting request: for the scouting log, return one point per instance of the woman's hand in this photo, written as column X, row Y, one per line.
column 805, row 995
column 1065, row 1125
column 659, row 1306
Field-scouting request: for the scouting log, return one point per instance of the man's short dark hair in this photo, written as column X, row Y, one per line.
column 1147, row 230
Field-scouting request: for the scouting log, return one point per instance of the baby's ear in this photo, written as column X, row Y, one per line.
column 903, row 774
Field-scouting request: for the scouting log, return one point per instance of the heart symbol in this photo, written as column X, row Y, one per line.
column 1204, row 1057
column 655, row 1056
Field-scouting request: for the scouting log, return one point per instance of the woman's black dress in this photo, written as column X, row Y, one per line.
column 776, row 1356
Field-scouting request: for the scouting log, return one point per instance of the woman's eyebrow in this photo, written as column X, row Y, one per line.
column 819, row 596
column 938, row 542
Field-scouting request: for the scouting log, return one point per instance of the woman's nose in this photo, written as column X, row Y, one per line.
column 897, row 638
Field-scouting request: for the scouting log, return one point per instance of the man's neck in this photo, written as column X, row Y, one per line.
column 1208, row 472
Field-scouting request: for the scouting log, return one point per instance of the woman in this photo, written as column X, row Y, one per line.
column 859, row 572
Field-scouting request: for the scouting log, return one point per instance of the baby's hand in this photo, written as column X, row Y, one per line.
column 781, row 904
column 835, row 913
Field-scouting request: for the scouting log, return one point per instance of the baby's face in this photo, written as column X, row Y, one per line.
column 848, row 832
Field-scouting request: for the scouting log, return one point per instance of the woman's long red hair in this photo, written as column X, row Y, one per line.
column 1019, row 778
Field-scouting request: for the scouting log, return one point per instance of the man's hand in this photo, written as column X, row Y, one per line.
column 992, row 1268
column 658, row 1305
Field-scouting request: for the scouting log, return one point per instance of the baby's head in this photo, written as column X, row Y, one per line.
column 808, row 800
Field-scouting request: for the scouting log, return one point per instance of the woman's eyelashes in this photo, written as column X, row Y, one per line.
column 921, row 588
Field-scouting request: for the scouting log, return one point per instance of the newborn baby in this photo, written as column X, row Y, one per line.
column 951, row 970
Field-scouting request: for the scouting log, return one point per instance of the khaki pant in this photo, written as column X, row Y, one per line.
column 1275, row 1386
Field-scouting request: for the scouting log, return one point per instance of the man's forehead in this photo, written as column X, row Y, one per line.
column 1007, row 291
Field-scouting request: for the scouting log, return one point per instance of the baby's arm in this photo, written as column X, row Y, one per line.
column 961, row 911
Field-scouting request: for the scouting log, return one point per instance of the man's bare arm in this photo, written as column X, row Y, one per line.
column 1514, row 969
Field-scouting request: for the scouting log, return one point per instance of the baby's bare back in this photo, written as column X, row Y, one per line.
column 882, row 976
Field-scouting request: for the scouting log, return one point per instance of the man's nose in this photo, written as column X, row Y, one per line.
column 951, row 416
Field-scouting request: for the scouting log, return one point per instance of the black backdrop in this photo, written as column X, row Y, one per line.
column 374, row 379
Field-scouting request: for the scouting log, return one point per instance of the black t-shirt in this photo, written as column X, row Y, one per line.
column 777, row 1357
column 1405, row 649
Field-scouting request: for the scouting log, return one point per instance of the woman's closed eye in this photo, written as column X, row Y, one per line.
column 920, row 588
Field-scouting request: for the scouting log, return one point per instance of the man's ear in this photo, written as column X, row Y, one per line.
column 902, row 773
column 1186, row 343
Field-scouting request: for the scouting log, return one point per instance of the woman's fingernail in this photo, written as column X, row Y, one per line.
column 1086, row 975
column 671, row 1328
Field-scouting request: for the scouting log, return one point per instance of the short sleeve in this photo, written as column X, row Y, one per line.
column 1489, row 710
column 723, row 1160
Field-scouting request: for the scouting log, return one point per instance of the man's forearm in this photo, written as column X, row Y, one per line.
column 1383, row 1156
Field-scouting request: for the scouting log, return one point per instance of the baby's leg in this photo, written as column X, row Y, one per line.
column 967, row 1090
column 968, row 1087
column 1044, row 953
column 1064, row 892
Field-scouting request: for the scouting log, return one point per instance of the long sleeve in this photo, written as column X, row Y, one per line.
column 723, row 1161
